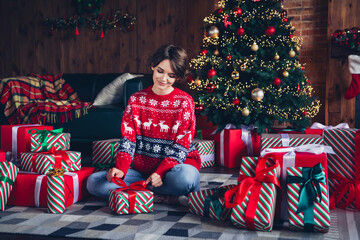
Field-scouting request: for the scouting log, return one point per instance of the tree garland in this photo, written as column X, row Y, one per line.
column 348, row 38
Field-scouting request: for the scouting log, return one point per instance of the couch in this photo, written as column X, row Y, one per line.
column 101, row 122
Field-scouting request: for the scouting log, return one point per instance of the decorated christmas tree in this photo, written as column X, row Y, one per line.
column 248, row 71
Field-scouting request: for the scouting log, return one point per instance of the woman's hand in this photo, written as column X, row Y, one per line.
column 155, row 180
column 114, row 172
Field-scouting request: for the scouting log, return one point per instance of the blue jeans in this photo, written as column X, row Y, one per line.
column 180, row 180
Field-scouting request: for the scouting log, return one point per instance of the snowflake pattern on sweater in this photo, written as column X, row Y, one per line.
column 157, row 132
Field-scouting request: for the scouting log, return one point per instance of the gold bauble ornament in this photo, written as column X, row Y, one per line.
column 243, row 67
column 285, row 73
column 257, row 94
column 216, row 52
column 197, row 82
column 292, row 53
column 235, row 75
column 213, row 32
column 245, row 112
column 276, row 57
column 254, row 47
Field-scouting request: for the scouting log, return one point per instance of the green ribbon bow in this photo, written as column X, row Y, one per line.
column 308, row 193
column 44, row 135
column 214, row 199
column 6, row 179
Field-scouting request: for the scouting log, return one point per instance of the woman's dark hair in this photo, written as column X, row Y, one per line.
column 177, row 56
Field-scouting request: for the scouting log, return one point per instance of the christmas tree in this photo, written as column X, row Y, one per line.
column 248, row 71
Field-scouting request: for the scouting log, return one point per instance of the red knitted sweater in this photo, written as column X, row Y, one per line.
column 157, row 132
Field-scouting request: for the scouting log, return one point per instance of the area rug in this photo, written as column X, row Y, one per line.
column 93, row 219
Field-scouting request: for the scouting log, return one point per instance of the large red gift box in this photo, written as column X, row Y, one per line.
column 16, row 139
column 294, row 159
column 30, row 189
column 2, row 156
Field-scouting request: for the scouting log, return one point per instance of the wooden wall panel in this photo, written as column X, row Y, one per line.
column 342, row 14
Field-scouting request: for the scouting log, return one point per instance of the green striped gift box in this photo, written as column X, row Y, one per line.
column 206, row 149
column 8, row 174
column 55, row 194
column 210, row 203
column 265, row 208
column 275, row 140
column 119, row 201
column 343, row 162
column 103, row 155
column 44, row 162
column 320, row 213
column 59, row 141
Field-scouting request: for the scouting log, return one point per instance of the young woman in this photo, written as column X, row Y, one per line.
column 157, row 129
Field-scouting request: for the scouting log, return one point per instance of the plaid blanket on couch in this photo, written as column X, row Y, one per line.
column 40, row 99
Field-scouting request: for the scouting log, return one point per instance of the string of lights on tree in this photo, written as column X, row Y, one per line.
column 248, row 72
column 89, row 16
column 348, row 38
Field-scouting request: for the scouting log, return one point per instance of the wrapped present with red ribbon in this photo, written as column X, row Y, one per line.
column 301, row 156
column 308, row 199
column 43, row 140
column 104, row 152
column 344, row 167
column 318, row 128
column 45, row 161
column 134, row 198
column 16, row 138
column 8, row 175
column 210, row 203
column 253, row 199
column 31, row 189
column 206, row 149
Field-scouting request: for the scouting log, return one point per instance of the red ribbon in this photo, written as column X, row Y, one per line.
column 351, row 186
column 59, row 156
column 253, row 185
column 137, row 186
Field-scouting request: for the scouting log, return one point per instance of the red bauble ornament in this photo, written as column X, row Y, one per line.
column 237, row 11
column 204, row 52
column 228, row 57
column 211, row 73
column 285, row 20
column 199, row 108
column 304, row 113
column 240, row 31
column 236, row 101
column 298, row 88
column 277, row 81
column 269, row 31
column 190, row 79
column 210, row 87
column 302, row 68
column 220, row 10
column 291, row 36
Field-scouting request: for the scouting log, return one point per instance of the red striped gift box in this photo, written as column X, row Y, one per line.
column 104, row 153
column 8, row 174
column 57, row 142
column 206, row 149
column 288, row 140
column 315, row 217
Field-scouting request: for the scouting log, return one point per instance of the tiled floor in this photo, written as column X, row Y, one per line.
column 92, row 219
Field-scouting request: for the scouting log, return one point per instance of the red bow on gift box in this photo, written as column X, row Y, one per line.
column 136, row 186
column 253, row 185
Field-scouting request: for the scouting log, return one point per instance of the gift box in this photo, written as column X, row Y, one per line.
column 45, row 161
column 44, row 140
column 2, row 156
column 301, row 156
column 30, row 189
column 318, row 128
column 308, row 199
column 10, row 135
column 288, row 140
column 344, row 167
column 206, row 149
column 104, row 153
column 210, row 203
column 254, row 197
column 8, row 174
column 55, row 193
column 134, row 198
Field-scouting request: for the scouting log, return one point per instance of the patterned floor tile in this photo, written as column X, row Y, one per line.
column 14, row 221
column 105, row 227
column 62, row 232
column 207, row 235
column 177, row 232
column 78, row 225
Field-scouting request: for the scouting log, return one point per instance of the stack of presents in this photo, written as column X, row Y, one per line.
column 293, row 177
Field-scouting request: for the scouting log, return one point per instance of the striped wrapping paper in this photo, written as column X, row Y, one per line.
column 55, row 194
column 44, row 162
column 206, row 149
column 274, row 140
column 8, row 174
column 265, row 210
column 104, row 153
column 344, row 162
column 119, row 201
column 197, row 203
column 57, row 142
column 320, row 209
